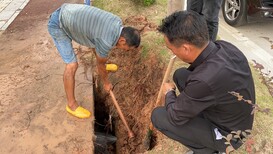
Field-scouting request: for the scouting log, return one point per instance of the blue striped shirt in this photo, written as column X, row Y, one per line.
column 91, row 27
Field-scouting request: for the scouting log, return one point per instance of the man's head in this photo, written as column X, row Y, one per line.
column 129, row 38
column 185, row 34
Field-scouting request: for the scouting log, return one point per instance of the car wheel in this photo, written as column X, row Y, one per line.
column 235, row 12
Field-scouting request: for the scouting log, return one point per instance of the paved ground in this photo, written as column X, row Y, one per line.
column 9, row 9
column 247, row 46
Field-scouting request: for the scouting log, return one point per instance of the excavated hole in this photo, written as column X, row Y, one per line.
column 105, row 142
column 135, row 86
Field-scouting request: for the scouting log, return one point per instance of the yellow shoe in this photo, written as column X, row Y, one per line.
column 80, row 112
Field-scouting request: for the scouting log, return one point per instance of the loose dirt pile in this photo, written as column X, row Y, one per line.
column 136, row 90
column 136, row 85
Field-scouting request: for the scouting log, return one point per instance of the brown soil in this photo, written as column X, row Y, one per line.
column 136, row 86
column 31, row 80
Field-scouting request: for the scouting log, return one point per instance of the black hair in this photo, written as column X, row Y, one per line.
column 185, row 27
column 131, row 35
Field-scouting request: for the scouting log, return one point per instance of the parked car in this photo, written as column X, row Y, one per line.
column 235, row 12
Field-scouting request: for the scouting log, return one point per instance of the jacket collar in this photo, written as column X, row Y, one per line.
column 211, row 48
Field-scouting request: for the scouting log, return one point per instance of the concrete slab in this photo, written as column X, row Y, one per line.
column 9, row 9
column 251, row 50
column 3, row 4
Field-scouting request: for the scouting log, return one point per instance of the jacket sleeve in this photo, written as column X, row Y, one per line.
column 196, row 97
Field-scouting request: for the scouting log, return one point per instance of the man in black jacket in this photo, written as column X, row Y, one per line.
column 204, row 111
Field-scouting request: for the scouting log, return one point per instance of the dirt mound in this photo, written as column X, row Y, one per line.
column 141, row 23
column 136, row 85
column 136, row 90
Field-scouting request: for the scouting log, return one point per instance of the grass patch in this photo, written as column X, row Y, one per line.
column 143, row 2
column 99, row 4
column 263, row 123
column 153, row 43
column 125, row 8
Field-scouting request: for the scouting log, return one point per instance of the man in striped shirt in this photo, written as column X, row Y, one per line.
column 91, row 27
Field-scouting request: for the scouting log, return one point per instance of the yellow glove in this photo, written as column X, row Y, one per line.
column 111, row 67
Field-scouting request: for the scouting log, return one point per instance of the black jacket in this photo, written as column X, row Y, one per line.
column 220, row 68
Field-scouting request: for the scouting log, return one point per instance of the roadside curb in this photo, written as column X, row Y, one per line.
column 250, row 49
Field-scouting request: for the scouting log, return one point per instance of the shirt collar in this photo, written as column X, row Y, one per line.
column 203, row 56
column 118, row 36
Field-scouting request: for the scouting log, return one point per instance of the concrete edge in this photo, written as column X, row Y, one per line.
column 251, row 50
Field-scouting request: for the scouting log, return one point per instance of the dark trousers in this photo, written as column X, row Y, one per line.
column 210, row 9
column 197, row 134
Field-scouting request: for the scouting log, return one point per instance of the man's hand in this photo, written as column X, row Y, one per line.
column 107, row 86
column 103, row 73
column 168, row 87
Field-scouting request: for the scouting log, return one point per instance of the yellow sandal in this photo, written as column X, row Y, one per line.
column 80, row 112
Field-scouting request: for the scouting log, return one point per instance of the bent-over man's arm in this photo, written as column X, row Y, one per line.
column 103, row 73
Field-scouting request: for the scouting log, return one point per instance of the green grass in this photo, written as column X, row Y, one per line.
column 99, row 4
column 153, row 43
column 263, row 123
column 145, row 50
column 125, row 8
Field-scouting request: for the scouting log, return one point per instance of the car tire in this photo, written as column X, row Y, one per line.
column 235, row 12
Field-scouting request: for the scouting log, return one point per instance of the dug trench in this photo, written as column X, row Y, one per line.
column 135, row 85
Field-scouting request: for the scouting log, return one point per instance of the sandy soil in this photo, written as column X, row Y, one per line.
column 32, row 99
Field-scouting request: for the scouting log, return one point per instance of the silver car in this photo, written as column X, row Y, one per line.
column 235, row 12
